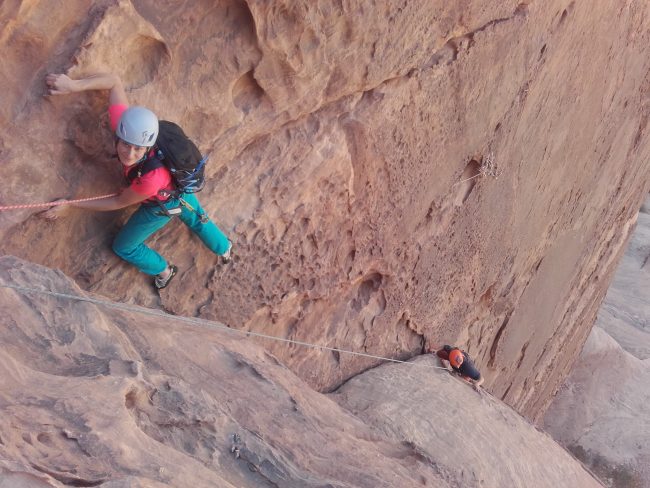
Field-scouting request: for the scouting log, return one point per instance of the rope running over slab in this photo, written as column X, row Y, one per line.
column 200, row 322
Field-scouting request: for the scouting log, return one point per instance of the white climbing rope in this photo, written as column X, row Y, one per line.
column 201, row 322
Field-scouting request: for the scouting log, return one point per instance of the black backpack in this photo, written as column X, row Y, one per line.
column 179, row 155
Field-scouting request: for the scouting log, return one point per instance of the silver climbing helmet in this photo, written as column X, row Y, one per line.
column 138, row 126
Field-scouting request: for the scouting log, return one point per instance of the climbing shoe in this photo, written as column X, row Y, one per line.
column 227, row 255
column 160, row 282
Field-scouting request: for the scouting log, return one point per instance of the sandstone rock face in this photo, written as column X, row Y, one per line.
column 91, row 395
column 602, row 412
column 625, row 312
column 355, row 154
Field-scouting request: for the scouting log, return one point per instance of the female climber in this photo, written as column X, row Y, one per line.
column 136, row 130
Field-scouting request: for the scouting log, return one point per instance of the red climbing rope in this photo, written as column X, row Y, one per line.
column 54, row 204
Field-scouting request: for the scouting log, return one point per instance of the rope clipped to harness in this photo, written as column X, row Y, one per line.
column 54, row 204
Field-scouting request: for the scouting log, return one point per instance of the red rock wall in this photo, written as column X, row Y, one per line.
column 94, row 394
column 601, row 413
column 341, row 133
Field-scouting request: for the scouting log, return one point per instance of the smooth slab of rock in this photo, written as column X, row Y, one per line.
column 471, row 437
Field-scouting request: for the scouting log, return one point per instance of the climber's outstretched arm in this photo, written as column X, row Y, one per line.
column 61, row 84
column 124, row 199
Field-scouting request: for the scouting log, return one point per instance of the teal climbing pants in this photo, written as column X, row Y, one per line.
column 129, row 242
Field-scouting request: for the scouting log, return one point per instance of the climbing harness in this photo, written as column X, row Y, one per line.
column 202, row 323
column 54, row 204
column 176, row 209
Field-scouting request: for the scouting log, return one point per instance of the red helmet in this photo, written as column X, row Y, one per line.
column 456, row 358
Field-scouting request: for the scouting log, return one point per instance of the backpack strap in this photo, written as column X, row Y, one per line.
column 143, row 167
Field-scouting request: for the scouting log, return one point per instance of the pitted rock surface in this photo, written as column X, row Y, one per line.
column 393, row 175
